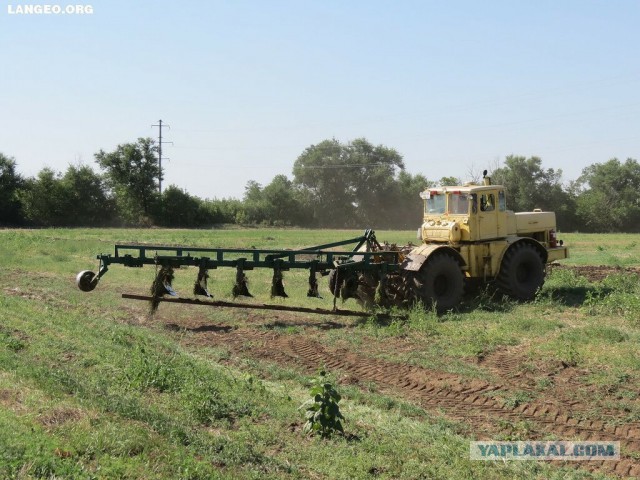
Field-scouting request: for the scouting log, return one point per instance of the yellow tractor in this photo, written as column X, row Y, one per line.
column 469, row 236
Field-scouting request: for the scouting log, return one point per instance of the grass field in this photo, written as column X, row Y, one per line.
column 92, row 387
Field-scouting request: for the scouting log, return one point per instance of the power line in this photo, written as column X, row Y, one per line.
column 160, row 142
column 348, row 165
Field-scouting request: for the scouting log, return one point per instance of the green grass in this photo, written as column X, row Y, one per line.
column 617, row 249
column 90, row 387
column 138, row 406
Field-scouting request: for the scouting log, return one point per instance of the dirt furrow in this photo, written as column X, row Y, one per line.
column 471, row 401
column 560, row 396
column 472, row 405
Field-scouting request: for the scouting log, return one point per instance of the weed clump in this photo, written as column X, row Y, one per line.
column 205, row 394
column 617, row 295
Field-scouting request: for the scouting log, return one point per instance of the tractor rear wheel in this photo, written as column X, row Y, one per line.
column 522, row 272
column 440, row 282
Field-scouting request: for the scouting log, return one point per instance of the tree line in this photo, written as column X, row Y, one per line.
column 333, row 185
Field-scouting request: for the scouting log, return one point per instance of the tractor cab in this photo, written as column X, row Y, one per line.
column 464, row 213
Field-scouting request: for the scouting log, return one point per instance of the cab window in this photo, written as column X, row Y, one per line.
column 502, row 202
column 458, row 204
column 435, row 204
column 487, row 202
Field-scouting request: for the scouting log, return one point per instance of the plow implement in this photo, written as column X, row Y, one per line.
column 368, row 272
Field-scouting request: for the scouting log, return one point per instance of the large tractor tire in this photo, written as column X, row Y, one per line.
column 440, row 282
column 522, row 272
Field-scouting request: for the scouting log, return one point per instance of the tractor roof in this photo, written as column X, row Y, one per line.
column 463, row 189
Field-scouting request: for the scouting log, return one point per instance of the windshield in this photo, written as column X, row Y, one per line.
column 435, row 204
column 458, row 204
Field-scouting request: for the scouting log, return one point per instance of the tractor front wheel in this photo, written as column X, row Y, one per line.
column 522, row 272
column 440, row 282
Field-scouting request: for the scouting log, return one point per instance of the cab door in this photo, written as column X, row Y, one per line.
column 502, row 214
column 488, row 213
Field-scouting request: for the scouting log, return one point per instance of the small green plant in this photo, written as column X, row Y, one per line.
column 14, row 344
column 321, row 410
column 512, row 431
column 11, row 339
column 570, row 355
column 516, row 399
column 544, row 383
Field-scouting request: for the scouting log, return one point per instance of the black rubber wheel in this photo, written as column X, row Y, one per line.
column 522, row 272
column 440, row 282
column 85, row 280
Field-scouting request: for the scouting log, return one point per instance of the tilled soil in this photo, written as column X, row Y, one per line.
column 476, row 403
column 596, row 273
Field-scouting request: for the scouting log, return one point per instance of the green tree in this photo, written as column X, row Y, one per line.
column 223, row 210
column 530, row 186
column 255, row 207
column 607, row 196
column 449, row 181
column 77, row 198
column 132, row 172
column 284, row 202
column 278, row 203
column 349, row 185
column 374, row 182
column 322, row 170
column 45, row 199
column 10, row 184
column 87, row 202
column 408, row 211
column 179, row 209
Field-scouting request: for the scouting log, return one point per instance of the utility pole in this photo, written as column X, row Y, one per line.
column 160, row 142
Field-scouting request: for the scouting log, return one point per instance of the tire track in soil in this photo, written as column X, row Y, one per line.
column 596, row 273
column 462, row 399
column 470, row 404
column 506, row 365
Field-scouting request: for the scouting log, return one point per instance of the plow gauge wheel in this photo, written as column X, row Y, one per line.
column 86, row 280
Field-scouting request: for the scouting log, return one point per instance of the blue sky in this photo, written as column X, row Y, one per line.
column 246, row 86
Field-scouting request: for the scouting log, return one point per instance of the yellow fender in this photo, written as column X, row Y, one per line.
column 419, row 255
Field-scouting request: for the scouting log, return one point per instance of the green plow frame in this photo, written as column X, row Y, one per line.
column 367, row 255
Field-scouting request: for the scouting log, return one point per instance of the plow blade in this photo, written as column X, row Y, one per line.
column 169, row 289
